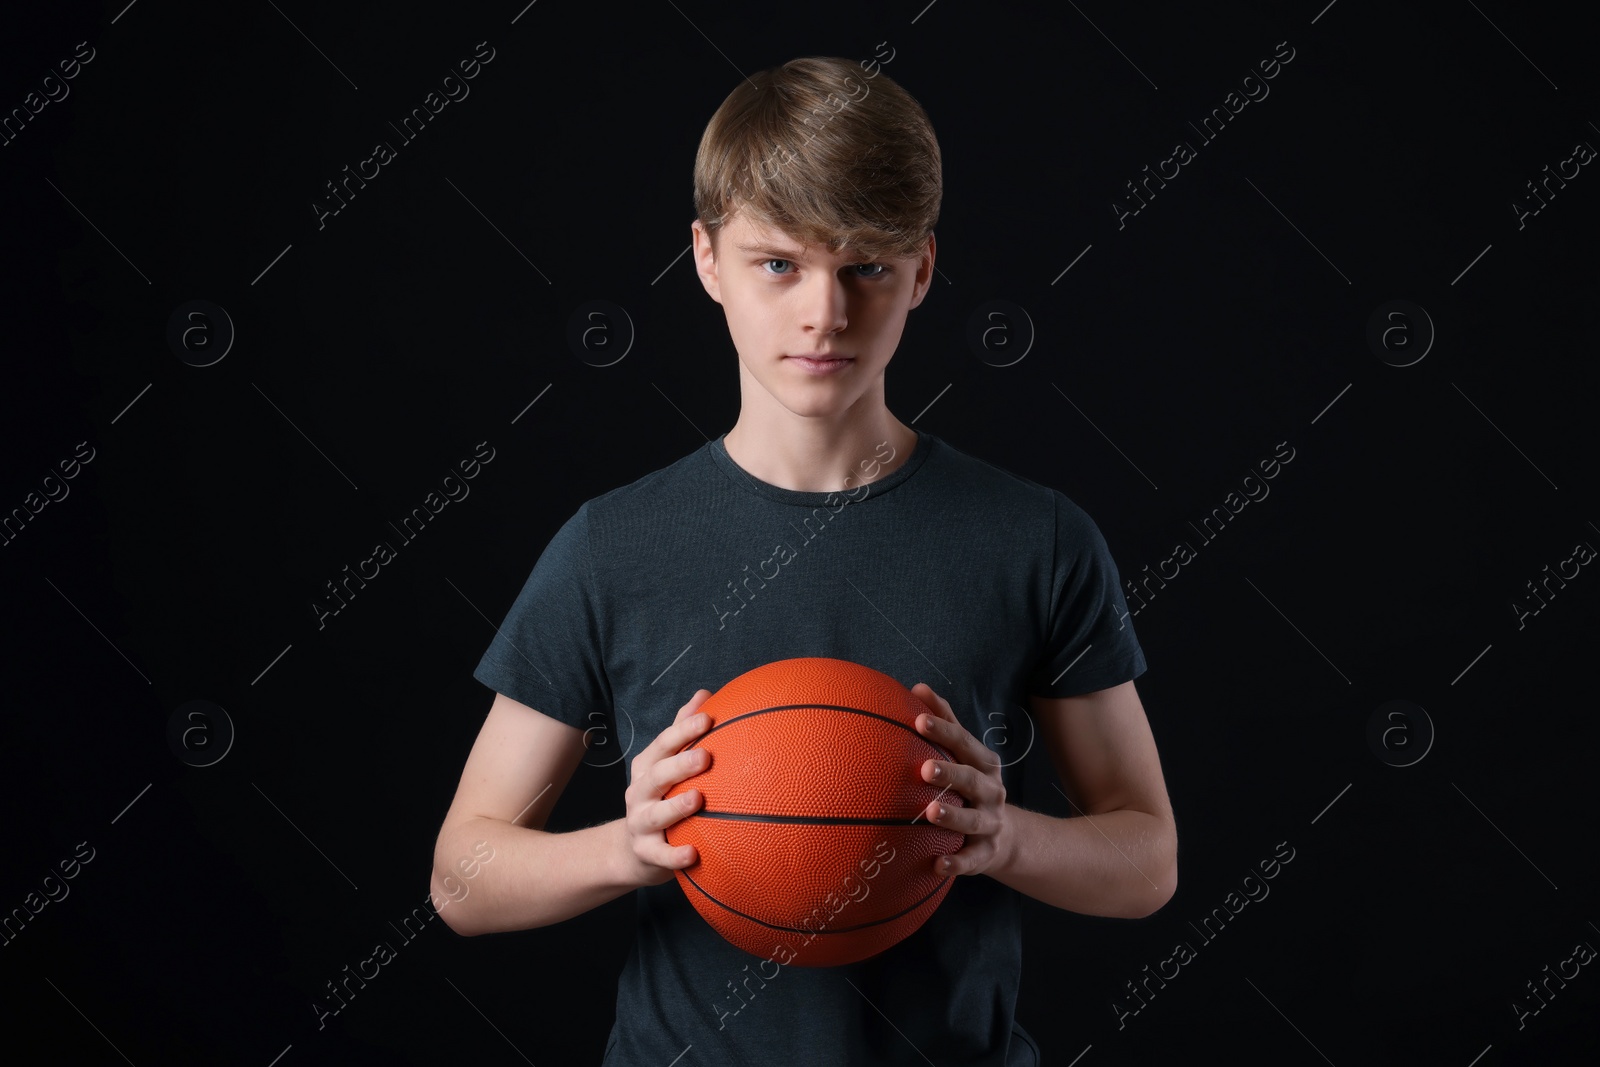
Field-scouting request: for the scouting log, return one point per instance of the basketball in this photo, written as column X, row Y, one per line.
column 813, row 849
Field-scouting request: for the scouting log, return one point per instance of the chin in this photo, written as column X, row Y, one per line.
column 815, row 407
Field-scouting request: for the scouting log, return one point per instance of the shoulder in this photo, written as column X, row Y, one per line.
column 670, row 485
column 1012, row 495
column 969, row 473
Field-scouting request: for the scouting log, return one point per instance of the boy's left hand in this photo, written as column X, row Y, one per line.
column 976, row 776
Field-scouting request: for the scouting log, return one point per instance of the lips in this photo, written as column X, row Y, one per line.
column 822, row 361
column 824, row 364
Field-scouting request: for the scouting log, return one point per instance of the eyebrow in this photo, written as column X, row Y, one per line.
column 773, row 250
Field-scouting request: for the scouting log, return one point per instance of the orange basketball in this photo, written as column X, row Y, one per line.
column 812, row 843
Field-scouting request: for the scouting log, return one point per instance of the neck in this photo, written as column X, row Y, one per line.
column 820, row 454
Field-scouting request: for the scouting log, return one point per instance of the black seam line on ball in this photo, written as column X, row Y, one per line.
column 803, row 930
column 809, row 820
column 826, row 707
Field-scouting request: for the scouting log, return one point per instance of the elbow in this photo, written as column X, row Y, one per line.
column 1156, row 899
column 442, row 900
column 1163, row 881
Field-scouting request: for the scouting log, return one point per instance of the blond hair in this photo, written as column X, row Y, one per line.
column 826, row 154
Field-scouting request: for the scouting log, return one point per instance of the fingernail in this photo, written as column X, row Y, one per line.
column 941, row 812
column 938, row 771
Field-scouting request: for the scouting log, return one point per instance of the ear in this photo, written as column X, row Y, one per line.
column 705, row 259
column 924, row 275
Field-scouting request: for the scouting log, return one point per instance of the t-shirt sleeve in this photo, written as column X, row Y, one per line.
column 547, row 653
column 1089, row 639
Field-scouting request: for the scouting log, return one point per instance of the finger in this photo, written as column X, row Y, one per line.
column 958, row 740
column 675, row 858
column 683, row 730
column 671, row 770
column 971, row 786
column 958, row 783
column 941, row 717
column 663, row 813
column 937, row 704
column 959, row 818
column 973, row 856
column 700, row 697
column 964, row 861
column 648, row 822
column 680, row 734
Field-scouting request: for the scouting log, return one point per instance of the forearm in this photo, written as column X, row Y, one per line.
column 535, row 878
column 1121, row 864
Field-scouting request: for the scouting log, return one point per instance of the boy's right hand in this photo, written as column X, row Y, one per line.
column 655, row 771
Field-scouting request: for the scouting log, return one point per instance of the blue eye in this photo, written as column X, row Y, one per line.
column 878, row 269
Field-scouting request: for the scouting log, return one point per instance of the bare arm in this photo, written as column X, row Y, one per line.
column 496, row 868
column 1119, row 856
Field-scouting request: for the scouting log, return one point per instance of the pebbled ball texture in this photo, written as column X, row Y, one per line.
column 813, row 850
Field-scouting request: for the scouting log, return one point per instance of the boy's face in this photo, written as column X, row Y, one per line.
column 782, row 302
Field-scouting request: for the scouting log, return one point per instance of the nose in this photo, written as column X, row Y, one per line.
column 823, row 300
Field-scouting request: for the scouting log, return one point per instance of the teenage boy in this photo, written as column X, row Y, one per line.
column 818, row 525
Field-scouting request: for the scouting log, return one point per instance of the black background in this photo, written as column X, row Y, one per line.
column 374, row 353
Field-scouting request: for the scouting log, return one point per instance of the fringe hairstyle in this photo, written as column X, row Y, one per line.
column 825, row 154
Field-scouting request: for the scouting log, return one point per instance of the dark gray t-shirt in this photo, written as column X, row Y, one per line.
column 950, row 571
